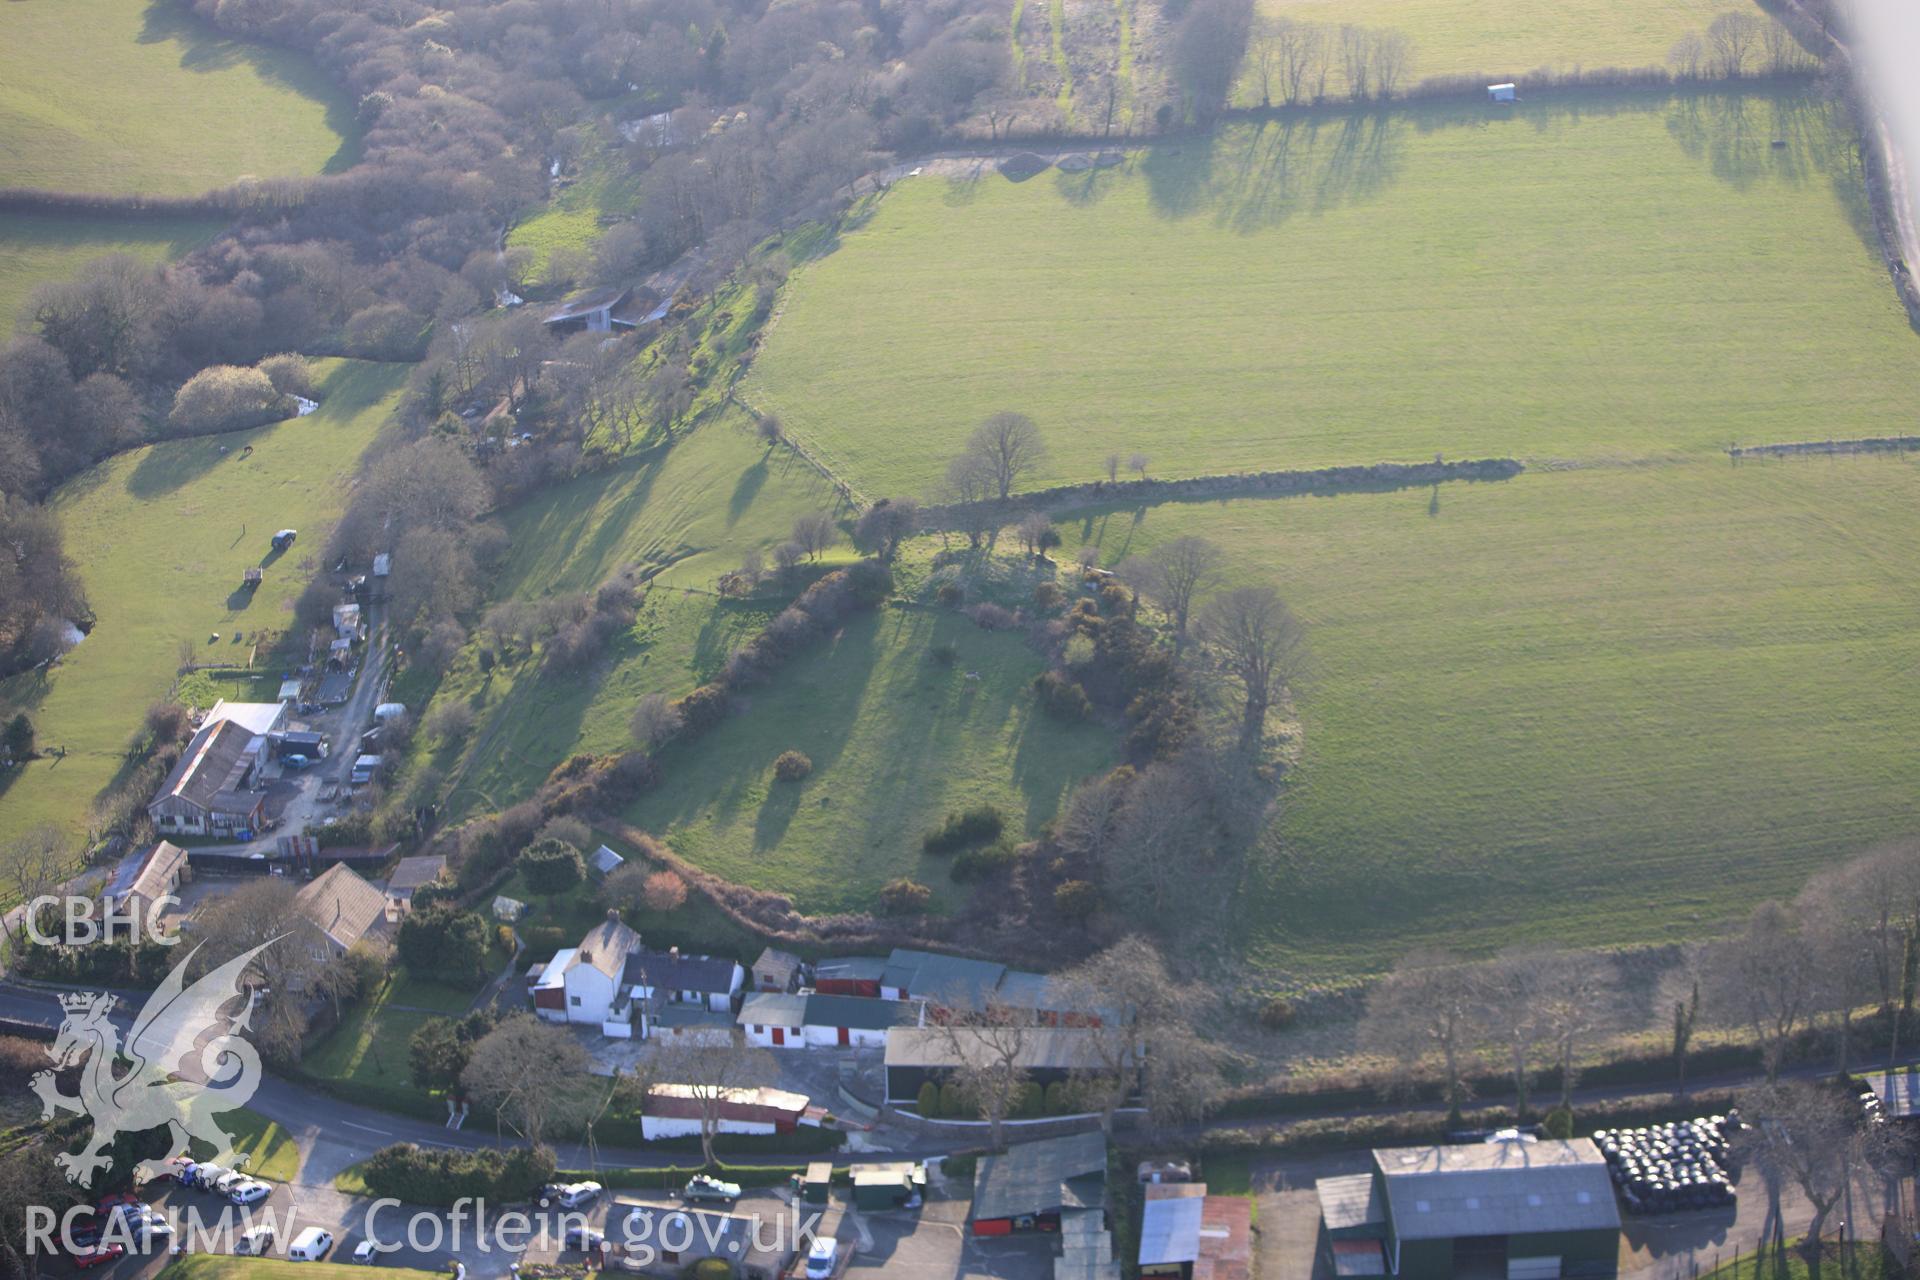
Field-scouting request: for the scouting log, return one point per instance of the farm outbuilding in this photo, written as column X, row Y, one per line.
column 1520, row 1209
column 1038, row 1186
column 1500, row 93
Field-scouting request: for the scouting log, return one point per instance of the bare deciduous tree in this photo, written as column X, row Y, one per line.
column 1813, row 1136
column 1735, row 37
column 1767, row 971
column 1111, row 465
column 532, row 1073
column 1177, row 571
column 1356, row 60
column 32, row 864
column 712, row 1069
column 1137, row 463
column 1392, row 60
column 1426, row 1009
column 1259, row 644
column 814, row 533
column 990, row 1045
column 1006, row 447
column 1688, row 52
column 1577, row 994
column 1135, row 1005
column 967, row 486
column 1511, row 1014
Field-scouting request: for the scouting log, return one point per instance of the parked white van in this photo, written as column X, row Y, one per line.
column 310, row 1245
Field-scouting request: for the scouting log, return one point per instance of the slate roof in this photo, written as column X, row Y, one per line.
column 413, row 872
column 212, row 762
column 663, row 971
column 1497, row 1189
column 778, row 965
column 1041, row 1177
column 951, row 980
column 342, row 904
column 850, row 969
column 773, row 1009
column 860, row 1013
column 147, row 874
column 1043, row 1047
column 604, row 860
column 608, row 947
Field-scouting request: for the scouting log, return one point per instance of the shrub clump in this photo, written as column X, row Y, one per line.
column 964, row 827
column 792, row 766
column 441, row 1176
column 224, row 397
column 1277, row 1013
column 904, row 897
column 980, row 864
column 1075, row 899
column 1061, row 696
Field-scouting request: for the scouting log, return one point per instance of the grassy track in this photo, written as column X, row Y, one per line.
column 161, row 535
column 36, row 249
column 1601, row 706
column 1509, row 37
column 1362, row 288
column 131, row 95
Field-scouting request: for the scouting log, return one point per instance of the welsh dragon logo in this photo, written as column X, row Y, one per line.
column 184, row 1059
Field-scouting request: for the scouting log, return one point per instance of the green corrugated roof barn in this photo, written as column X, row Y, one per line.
column 1508, row 1210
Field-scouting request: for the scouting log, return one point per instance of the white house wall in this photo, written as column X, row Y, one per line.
column 589, row 994
column 793, row 1038
column 653, row 1128
column 829, row 1037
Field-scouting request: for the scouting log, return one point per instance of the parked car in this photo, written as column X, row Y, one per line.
column 365, row 1254
column 204, row 1175
column 703, row 1189
column 87, row 1259
column 824, row 1252
column 119, row 1200
column 227, row 1181
column 585, row 1238
column 248, row 1191
column 255, row 1242
column 573, row 1195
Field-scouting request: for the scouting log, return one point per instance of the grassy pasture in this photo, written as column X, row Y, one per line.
column 38, row 248
column 161, row 535
column 1509, row 37
column 572, row 220
column 1608, row 277
column 689, row 512
column 897, row 738
column 1604, row 706
column 140, row 95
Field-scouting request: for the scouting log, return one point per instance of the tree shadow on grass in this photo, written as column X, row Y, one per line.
column 1251, row 176
column 745, row 489
column 206, row 48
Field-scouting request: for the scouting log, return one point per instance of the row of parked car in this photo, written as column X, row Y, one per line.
column 1666, row 1168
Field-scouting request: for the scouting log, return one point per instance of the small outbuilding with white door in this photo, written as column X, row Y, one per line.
column 1500, row 93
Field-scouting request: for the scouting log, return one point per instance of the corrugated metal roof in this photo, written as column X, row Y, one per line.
column 1040, row 1047
column 1169, row 1231
column 1351, row 1201
column 1034, row 1177
column 773, row 1009
column 1497, row 1188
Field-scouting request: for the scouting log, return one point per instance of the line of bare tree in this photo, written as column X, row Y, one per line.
column 1850, row 941
column 1737, row 45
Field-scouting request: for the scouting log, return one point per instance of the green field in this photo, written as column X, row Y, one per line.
column 161, row 535
column 897, row 739
column 129, row 96
column 1609, row 277
column 576, row 216
column 38, row 248
column 689, row 512
column 1601, row 706
column 1510, row 37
